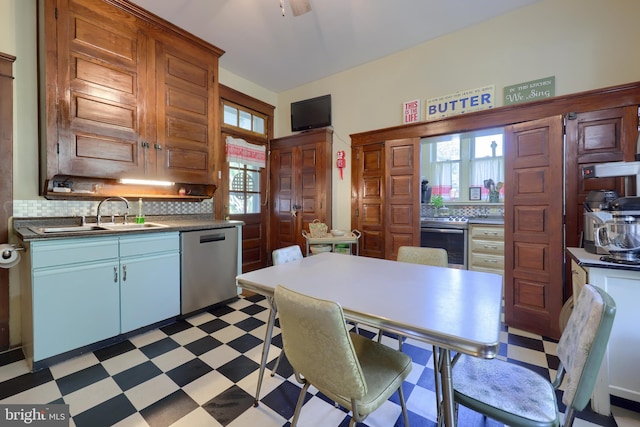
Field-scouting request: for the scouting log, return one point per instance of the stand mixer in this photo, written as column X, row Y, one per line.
column 619, row 236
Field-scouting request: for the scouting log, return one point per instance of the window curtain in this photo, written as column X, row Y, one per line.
column 482, row 169
column 240, row 151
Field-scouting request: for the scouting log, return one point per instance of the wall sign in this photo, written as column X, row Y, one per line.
column 530, row 91
column 411, row 111
column 461, row 102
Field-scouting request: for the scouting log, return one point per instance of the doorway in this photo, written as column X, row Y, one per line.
column 242, row 194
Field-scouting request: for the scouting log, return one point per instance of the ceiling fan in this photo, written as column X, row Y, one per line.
column 298, row 7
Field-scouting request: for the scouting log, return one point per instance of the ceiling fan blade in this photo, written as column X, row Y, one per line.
column 299, row 7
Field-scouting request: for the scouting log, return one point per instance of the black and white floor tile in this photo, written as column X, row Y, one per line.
column 203, row 371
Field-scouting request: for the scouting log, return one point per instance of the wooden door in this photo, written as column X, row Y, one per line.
column 254, row 231
column 368, row 197
column 534, row 249
column 591, row 138
column 300, row 181
column 6, row 184
column 402, row 186
column 186, row 112
column 98, row 91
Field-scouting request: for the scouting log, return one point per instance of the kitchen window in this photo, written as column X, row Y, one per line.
column 243, row 118
column 454, row 163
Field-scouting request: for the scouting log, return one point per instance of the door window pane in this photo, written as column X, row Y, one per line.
column 244, row 189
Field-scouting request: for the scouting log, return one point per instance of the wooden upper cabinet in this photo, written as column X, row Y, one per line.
column 127, row 95
column 186, row 113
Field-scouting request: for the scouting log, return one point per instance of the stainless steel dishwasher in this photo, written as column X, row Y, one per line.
column 209, row 267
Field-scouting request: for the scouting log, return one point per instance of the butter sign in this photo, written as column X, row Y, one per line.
column 530, row 91
column 466, row 101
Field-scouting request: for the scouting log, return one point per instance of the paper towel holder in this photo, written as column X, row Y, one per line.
column 6, row 254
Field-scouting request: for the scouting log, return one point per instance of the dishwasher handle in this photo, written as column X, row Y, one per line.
column 212, row 238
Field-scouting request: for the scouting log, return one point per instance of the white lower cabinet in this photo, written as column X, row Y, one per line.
column 616, row 377
column 149, row 280
column 87, row 290
column 486, row 248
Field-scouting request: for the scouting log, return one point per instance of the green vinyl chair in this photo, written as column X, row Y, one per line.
column 283, row 256
column 517, row 396
column 356, row 372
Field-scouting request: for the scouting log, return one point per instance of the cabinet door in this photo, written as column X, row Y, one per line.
column 149, row 289
column 594, row 137
column 368, row 199
column 301, row 185
column 402, row 189
column 186, row 111
column 533, row 226
column 96, row 91
column 623, row 350
column 74, row 306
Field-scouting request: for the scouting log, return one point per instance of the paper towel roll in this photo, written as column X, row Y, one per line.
column 9, row 256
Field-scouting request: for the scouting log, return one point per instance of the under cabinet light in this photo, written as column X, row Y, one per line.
column 146, row 182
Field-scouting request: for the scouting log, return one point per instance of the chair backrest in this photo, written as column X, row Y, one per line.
column 583, row 344
column 317, row 344
column 288, row 254
column 426, row 256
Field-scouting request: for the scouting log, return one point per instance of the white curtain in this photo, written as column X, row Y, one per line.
column 240, row 151
column 482, row 169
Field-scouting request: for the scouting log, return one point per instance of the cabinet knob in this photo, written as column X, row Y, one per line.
column 157, row 146
column 124, row 273
column 115, row 274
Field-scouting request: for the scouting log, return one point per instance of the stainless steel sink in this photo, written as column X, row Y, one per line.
column 131, row 226
column 66, row 229
column 95, row 227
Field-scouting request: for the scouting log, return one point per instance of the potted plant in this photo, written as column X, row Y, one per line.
column 438, row 202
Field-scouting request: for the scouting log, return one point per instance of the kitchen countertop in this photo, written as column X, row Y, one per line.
column 587, row 259
column 22, row 226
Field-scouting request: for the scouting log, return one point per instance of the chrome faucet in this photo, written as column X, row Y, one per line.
column 99, row 217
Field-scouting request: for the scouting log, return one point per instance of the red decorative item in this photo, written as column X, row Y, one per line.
column 341, row 163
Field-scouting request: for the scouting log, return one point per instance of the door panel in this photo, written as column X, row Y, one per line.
column 101, row 115
column 368, row 193
column 254, row 231
column 534, row 226
column 402, row 200
column 300, row 185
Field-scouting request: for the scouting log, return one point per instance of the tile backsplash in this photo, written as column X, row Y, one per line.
column 469, row 211
column 53, row 208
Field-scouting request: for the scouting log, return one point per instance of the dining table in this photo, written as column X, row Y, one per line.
column 456, row 311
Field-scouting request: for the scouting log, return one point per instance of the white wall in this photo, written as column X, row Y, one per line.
column 585, row 44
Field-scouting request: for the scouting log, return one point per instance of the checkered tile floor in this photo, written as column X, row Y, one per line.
column 202, row 371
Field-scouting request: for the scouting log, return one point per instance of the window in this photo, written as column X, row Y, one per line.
column 454, row 163
column 243, row 118
column 244, row 189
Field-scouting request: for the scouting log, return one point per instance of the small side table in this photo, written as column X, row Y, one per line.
column 350, row 238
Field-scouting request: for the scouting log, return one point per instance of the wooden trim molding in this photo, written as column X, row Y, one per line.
column 6, row 185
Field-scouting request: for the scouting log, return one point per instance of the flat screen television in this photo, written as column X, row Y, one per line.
column 311, row 113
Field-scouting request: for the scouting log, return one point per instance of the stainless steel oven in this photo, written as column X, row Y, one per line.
column 446, row 233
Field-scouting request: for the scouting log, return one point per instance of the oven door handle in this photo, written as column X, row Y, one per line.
column 443, row 230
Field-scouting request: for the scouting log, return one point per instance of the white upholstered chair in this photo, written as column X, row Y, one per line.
column 354, row 371
column 283, row 256
column 517, row 396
